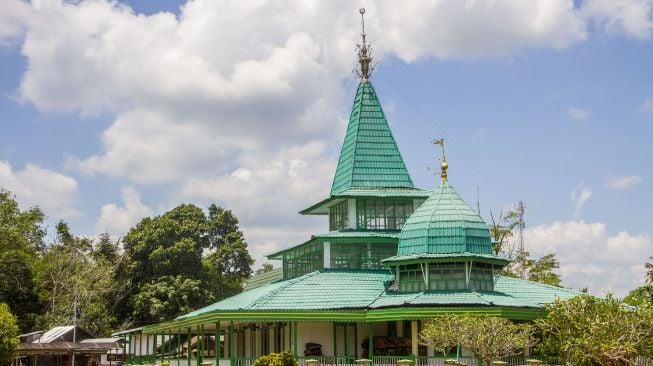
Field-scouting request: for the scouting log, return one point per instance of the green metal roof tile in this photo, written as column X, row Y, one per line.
column 333, row 289
column 536, row 293
column 369, row 144
column 444, row 223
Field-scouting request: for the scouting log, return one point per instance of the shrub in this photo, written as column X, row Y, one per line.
column 277, row 359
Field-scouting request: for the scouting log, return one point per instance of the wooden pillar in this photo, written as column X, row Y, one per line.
column 355, row 325
column 295, row 339
column 179, row 347
column 188, row 353
column 147, row 345
column 217, row 343
column 231, row 343
column 335, row 341
column 413, row 337
column 346, row 328
column 370, row 340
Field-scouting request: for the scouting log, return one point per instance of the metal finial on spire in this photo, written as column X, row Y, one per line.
column 444, row 164
column 364, row 52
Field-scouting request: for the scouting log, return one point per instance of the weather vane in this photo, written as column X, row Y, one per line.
column 444, row 164
column 364, row 52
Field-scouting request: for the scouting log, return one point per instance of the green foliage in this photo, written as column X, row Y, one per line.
column 8, row 335
column 21, row 242
column 74, row 287
column 540, row 270
column 277, row 359
column 490, row 338
column 442, row 333
column 640, row 296
column 193, row 257
column 265, row 268
column 501, row 229
column 168, row 297
column 587, row 330
column 649, row 271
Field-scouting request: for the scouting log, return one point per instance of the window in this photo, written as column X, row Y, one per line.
column 338, row 218
column 361, row 255
column 382, row 214
column 302, row 260
column 447, row 276
column 411, row 278
column 481, row 277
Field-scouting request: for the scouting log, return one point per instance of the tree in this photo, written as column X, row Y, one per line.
column 639, row 296
column 106, row 249
column 442, row 333
column 265, row 268
column 649, row 271
column 21, row 242
column 587, row 330
column 501, row 229
column 493, row 338
column 8, row 335
column 180, row 250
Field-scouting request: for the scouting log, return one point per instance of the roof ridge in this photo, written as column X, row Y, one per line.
column 537, row 283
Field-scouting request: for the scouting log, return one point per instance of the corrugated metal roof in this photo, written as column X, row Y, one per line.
column 263, row 278
column 332, row 289
column 369, row 155
column 444, row 223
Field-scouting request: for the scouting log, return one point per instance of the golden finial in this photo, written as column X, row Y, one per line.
column 444, row 164
column 364, row 52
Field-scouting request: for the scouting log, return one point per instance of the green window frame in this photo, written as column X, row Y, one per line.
column 411, row 278
column 338, row 216
column 377, row 214
column 447, row 276
column 481, row 277
column 361, row 255
column 303, row 260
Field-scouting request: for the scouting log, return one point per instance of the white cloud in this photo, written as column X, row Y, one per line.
column 266, row 192
column 630, row 17
column 580, row 195
column 53, row 192
column 590, row 257
column 622, row 182
column 578, row 113
column 648, row 104
column 118, row 220
column 12, row 19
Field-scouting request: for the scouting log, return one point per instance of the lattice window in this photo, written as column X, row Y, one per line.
column 338, row 217
column 375, row 214
column 302, row 260
column 361, row 255
column 446, row 276
column 411, row 278
column 481, row 277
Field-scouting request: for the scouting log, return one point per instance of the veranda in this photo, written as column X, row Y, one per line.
column 240, row 343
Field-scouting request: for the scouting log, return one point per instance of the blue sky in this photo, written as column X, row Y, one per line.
column 112, row 111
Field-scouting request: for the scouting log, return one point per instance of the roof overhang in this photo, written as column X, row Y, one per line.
column 445, row 257
column 322, row 207
column 341, row 236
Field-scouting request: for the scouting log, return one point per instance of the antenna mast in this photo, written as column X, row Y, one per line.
column 521, row 208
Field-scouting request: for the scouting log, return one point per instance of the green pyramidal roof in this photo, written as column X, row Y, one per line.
column 444, row 224
column 369, row 156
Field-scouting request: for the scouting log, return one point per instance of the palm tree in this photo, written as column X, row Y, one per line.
column 649, row 271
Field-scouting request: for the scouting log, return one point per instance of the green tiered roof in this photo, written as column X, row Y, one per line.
column 362, row 295
column 444, row 224
column 369, row 155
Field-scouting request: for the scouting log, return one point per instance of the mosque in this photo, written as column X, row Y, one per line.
column 393, row 257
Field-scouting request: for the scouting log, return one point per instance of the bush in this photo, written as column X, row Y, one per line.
column 8, row 335
column 277, row 359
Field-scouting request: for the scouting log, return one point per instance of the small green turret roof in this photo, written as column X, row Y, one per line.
column 444, row 224
column 369, row 156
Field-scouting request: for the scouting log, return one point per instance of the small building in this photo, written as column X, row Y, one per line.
column 393, row 257
column 64, row 346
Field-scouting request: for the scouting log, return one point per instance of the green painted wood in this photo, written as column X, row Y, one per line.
column 231, row 342
column 294, row 342
column 217, row 343
column 370, row 341
column 369, row 156
column 188, row 352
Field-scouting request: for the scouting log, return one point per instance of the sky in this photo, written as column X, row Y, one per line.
column 111, row 111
